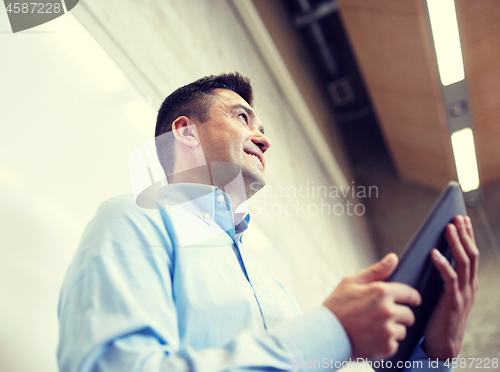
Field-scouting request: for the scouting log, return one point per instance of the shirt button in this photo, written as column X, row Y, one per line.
column 206, row 216
column 220, row 198
column 257, row 281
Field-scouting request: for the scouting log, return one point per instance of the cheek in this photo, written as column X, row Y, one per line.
column 210, row 142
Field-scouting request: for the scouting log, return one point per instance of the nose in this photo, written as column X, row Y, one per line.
column 261, row 140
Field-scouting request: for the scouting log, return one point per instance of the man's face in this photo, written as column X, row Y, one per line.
column 234, row 134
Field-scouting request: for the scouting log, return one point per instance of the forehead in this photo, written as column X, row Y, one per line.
column 228, row 98
column 227, row 101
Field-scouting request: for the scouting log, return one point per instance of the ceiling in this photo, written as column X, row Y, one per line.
column 393, row 45
column 480, row 33
column 390, row 42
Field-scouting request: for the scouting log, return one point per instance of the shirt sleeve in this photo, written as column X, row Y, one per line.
column 421, row 362
column 117, row 309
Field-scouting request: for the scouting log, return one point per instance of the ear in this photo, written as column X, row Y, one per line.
column 184, row 130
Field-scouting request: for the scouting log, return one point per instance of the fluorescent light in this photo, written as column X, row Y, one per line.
column 464, row 152
column 446, row 40
column 87, row 52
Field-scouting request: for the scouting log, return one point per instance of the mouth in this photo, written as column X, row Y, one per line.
column 256, row 155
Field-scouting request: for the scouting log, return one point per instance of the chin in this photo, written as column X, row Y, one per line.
column 253, row 182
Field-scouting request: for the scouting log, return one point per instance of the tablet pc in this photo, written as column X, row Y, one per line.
column 417, row 270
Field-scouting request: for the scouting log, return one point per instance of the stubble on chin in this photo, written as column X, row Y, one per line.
column 253, row 186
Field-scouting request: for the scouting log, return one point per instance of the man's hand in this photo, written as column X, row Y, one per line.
column 372, row 312
column 445, row 330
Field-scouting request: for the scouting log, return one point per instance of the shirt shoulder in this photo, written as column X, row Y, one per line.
column 121, row 229
column 123, row 206
column 123, row 212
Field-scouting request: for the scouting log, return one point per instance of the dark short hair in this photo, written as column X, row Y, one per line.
column 193, row 100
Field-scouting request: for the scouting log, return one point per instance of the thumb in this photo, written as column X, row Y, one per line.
column 379, row 270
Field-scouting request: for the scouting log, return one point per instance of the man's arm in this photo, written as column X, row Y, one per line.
column 445, row 330
column 374, row 314
column 118, row 309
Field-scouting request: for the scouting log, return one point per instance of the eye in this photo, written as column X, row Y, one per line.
column 244, row 116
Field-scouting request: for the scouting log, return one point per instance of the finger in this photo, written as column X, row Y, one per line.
column 470, row 230
column 464, row 225
column 403, row 294
column 404, row 315
column 449, row 275
column 399, row 331
column 472, row 250
column 380, row 270
column 463, row 233
column 462, row 261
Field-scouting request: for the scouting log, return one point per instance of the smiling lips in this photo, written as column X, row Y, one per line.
column 259, row 158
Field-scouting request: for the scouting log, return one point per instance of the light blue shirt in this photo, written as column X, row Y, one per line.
column 172, row 289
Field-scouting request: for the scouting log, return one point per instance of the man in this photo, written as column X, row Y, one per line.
column 171, row 289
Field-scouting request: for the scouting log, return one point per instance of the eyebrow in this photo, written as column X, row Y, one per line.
column 249, row 111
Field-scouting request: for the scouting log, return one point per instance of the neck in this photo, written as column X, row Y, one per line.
column 226, row 176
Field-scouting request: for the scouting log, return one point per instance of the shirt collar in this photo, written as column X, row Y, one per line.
column 243, row 225
column 200, row 199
